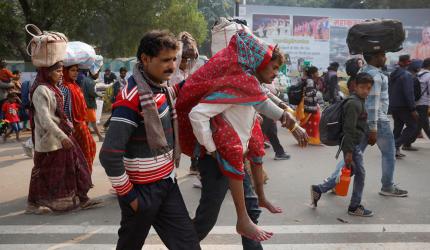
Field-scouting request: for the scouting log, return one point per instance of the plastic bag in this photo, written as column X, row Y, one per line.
column 79, row 53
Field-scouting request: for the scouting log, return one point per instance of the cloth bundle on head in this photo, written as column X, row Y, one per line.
column 97, row 65
column 79, row 53
column 227, row 78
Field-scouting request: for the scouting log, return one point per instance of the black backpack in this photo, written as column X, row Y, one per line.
column 417, row 88
column 331, row 124
column 376, row 35
column 421, row 92
column 295, row 93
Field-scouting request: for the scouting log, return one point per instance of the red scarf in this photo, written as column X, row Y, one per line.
column 79, row 106
column 42, row 78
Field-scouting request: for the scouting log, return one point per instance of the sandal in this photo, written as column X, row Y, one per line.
column 91, row 203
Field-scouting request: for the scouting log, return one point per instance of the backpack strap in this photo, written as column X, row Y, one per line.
column 426, row 88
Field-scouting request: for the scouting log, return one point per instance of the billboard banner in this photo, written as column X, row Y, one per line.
column 319, row 35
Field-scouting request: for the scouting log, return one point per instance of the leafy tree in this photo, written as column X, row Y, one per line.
column 212, row 10
column 115, row 27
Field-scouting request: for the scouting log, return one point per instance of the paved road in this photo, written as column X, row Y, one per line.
column 399, row 223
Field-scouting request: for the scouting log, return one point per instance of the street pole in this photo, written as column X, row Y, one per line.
column 236, row 9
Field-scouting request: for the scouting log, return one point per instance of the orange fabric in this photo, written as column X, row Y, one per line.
column 91, row 115
column 6, row 75
column 79, row 113
column 311, row 124
column 86, row 143
column 79, row 106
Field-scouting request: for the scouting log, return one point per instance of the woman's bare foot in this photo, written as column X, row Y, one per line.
column 269, row 206
column 251, row 231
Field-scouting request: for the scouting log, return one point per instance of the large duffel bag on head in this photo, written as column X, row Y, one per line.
column 376, row 35
column 46, row 48
column 222, row 32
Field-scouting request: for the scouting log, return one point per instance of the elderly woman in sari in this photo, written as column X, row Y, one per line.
column 60, row 178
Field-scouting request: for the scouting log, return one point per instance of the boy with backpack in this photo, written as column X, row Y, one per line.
column 354, row 127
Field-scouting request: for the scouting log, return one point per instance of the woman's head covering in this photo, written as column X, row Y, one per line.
column 43, row 73
column 79, row 105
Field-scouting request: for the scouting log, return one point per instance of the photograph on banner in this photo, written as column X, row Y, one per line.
column 417, row 42
column 339, row 51
column 271, row 26
column 420, row 42
column 317, row 28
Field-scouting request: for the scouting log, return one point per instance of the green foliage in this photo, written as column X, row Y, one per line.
column 115, row 27
column 356, row 4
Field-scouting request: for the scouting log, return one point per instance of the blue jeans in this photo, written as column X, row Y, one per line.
column 359, row 176
column 214, row 188
column 386, row 144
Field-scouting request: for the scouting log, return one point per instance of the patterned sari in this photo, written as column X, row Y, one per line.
column 78, row 111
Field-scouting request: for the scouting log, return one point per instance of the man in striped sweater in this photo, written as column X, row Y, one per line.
column 140, row 151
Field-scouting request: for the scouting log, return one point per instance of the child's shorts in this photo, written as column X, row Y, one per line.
column 14, row 126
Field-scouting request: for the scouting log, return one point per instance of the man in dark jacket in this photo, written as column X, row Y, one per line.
column 402, row 104
column 89, row 90
column 332, row 85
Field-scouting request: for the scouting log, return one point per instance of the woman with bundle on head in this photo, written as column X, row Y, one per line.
column 75, row 109
column 60, row 179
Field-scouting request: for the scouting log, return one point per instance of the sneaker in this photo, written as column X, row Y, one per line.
column 315, row 195
column 409, row 148
column 281, row 157
column 360, row 211
column 394, row 192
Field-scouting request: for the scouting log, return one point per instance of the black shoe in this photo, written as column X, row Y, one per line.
column 394, row 192
column 193, row 168
column 281, row 157
column 399, row 155
column 315, row 195
column 360, row 211
column 409, row 148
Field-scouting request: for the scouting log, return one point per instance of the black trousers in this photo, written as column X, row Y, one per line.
column 423, row 122
column 214, row 188
column 271, row 131
column 161, row 206
column 403, row 117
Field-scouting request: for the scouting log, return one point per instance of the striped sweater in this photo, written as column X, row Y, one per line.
column 125, row 153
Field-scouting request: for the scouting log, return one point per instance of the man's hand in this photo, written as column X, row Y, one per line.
column 415, row 115
column 348, row 160
column 283, row 105
column 67, row 143
column 213, row 154
column 301, row 136
column 134, row 205
column 287, row 120
column 372, row 138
